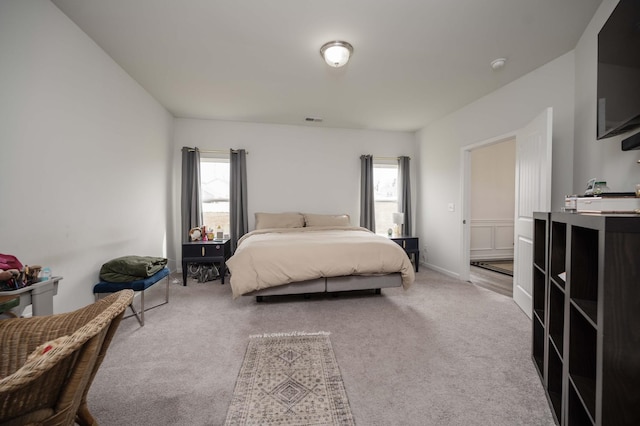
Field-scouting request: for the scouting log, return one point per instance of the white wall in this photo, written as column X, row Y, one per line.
column 602, row 159
column 493, row 177
column 293, row 168
column 499, row 113
column 84, row 170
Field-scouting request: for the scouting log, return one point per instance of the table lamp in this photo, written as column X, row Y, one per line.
column 398, row 221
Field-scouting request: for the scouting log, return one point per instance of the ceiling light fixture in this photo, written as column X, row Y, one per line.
column 336, row 53
column 496, row 64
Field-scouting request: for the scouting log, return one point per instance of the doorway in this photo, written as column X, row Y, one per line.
column 491, row 215
column 489, row 200
column 532, row 193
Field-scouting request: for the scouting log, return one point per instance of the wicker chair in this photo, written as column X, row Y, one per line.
column 48, row 363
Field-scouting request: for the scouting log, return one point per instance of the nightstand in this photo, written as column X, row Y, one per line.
column 410, row 246
column 205, row 252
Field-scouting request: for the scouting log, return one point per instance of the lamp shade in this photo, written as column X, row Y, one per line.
column 398, row 218
column 336, row 53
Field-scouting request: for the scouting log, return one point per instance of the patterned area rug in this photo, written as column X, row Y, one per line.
column 289, row 379
column 501, row 266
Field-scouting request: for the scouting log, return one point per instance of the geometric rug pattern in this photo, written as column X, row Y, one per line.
column 289, row 379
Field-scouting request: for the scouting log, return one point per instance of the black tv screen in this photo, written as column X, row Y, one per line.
column 619, row 71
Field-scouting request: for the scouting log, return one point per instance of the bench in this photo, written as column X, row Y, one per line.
column 139, row 286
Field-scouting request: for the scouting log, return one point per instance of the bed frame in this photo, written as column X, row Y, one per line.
column 331, row 285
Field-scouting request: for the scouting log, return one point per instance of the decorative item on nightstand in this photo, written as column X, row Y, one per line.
column 195, row 234
column 398, row 221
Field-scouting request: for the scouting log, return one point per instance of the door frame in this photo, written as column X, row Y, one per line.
column 465, row 197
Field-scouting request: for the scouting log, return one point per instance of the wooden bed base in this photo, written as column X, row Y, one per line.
column 332, row 284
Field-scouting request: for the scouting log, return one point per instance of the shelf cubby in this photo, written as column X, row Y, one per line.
column 582, row 358
column 540, row 242
column 558, row 252
column 539, row 294
column 577, row 414
column 556, row 317
column 554, row 383
column 584, row 269
column 589, row 308
column 538, row 345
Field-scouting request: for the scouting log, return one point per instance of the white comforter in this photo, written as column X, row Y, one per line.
column 271, row 257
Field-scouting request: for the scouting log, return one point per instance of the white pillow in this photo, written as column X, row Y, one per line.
column 327, row 219
column 279, row 220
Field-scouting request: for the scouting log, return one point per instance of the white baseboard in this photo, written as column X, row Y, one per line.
column 441, row 270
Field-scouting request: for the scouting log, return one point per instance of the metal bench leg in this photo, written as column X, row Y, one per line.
column 140, row 317
column 142, row 308
column 140, row 314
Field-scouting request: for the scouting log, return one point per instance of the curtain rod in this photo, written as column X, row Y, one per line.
column 389, row 158
column 214, row 151
column 222, row 151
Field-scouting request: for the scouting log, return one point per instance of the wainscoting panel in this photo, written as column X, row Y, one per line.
column 491, row 239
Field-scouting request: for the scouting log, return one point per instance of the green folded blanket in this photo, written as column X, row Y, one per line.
column 131, row 268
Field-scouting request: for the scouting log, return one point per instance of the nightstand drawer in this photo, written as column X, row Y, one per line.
column 409, row 243
column 208, row 249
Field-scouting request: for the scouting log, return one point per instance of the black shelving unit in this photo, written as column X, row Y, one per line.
column 540, row 267
column 586, row 325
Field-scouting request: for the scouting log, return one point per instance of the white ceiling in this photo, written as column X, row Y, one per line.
column 414, row 61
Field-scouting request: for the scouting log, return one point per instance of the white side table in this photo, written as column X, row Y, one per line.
column 39, row 295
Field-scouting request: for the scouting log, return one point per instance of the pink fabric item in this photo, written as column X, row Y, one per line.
column 9, row 261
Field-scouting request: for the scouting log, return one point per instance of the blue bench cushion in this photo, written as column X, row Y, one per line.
column 137, row 285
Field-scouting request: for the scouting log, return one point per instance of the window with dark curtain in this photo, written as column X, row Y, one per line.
column 367, row 201
column 191, row 205
column 238, row 196
column 404, row 194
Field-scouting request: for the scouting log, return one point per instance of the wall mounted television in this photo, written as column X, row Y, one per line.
column 619, row 73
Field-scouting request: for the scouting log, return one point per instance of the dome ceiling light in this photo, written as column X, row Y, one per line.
column 496, row 64
column 336, row 53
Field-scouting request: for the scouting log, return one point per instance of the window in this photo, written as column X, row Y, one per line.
column 385, row 193
column 214, row 189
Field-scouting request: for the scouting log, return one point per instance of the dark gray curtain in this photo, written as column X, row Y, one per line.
column 367, row 203
column 238, row 196
column 191, row 202
column 404, row 194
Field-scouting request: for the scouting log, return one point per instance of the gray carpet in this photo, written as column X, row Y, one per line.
column 444, row 352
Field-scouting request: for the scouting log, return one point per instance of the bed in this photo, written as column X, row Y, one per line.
column 295, row 253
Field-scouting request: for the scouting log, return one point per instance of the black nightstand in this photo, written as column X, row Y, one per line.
column 205, row 252
column 410, row 246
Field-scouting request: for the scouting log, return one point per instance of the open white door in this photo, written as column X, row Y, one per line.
column 533, row 193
